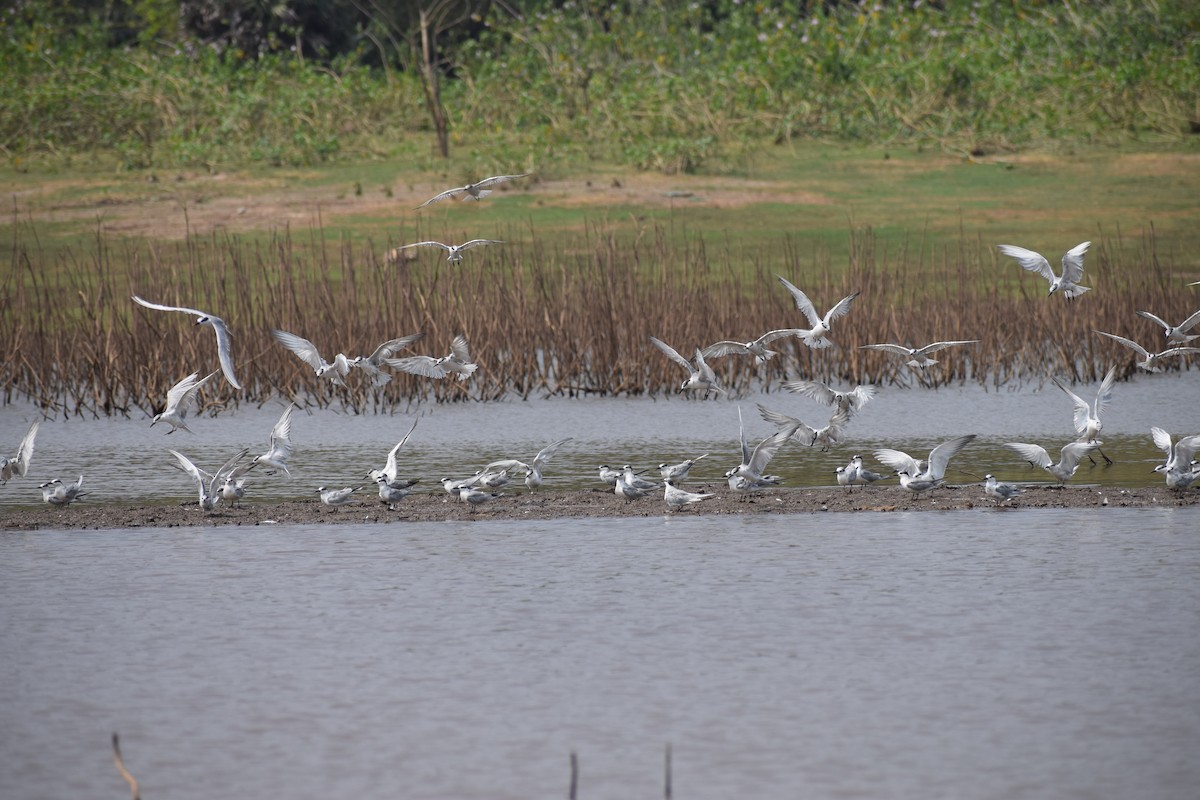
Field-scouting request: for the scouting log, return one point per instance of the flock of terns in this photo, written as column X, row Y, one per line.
column 227, row 483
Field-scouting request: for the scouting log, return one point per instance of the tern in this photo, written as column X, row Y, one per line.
column 700, row 375
column 826, row 436
column 454, row 250
column 280, row 448
column 628, row 491
column 1001, row 491
column 218, row 326
column 678, row 473
column 919, row 476
column 814, row 337
column 206, row 481
column 748, row 475
column 456, row 485
column 608, row 474
column 370, row 364
column 1175, row 334
column 180, row 399
column 19, row 464
column 634, row 481
column 756, row 348
column 469, row 494
column 1072, row 267
column 458, row 362
column 308, row 353
column 390, row 471
column 234, row 487
column 1150, row 361
column 473, row 191
column 533, row 470
column 56, row 493
column 918, row 356
column 860, row 474
column 391, row 495
column 1087, row 416
column 337, row 497
column 679, row 498
column 850, row 401
column 1179, row 469
column 1068, row 460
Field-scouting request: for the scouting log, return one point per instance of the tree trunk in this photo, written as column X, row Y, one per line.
column 433, row 87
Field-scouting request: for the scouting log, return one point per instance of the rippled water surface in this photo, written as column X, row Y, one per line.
column 975, row 654
column 125, row 458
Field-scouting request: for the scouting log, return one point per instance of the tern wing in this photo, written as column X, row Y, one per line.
column 1028, row 259
column 492, row 181
column 767, row 449
column 1082, row 409
column 814, row 390
column 1073, row 452
column 1185, row 449
column 224, row 350
column 191, row 469
column 1104, row 394
column 1072, row 263
column 897, row 460
column 1033, row 453
column 389, row 467
column 1157, row 319
column 777, row 418
column 547, row 452
column 802, row 302
column 742, row 438
column 1162, row 439
column 393, row 346
column 1178, row 351
column 425, row 366
column 933, row 348
column 437, row 198
column 445, row 247
column 771, row 336
column 899, row 350
column 861, row 395
column 282, row 431
column 178, row 393
column 1189, row 323
column 839, row 310
column 673, row 354
column 726, row 348
column 302, row 347
column 25, row 450
column 940, row 456
column 158, row 307
column 477, row 242
column 461, row 349
column 1132, row 345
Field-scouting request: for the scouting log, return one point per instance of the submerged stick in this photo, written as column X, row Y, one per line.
column 667, row 785
column 132, row 781
column 574, row 776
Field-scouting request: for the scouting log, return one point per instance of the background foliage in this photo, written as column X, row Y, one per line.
column 667, row 86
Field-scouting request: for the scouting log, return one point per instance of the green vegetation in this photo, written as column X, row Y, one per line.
column 662, row 86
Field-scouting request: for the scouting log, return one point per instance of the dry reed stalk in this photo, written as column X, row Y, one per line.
column 570, row 320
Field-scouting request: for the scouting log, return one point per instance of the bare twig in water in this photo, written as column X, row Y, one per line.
column 132, row 781
column 667, row 784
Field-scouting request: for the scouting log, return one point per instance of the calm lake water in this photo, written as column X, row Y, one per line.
column 974, row 654
column 126, row 459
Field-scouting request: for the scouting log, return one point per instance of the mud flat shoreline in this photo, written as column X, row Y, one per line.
column 575, row 504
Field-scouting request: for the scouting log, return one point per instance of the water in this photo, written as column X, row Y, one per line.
column 125, row 458
column 975, row 654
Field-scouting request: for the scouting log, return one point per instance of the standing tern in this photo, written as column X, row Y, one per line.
column 1001, row 491
column 180, row 399
column 700, row 375
column 1175, row 334
column 337, row 497
column 473, row 191
column 454, row 250
column 856, row 472
column 919, row 476
column 469, row 494
column 678, row 473
column 748, row 476
column 533, row 470
column 1068, row 460
column 608, row 474
column 19, row 464
column 458, row 361
column 56, row 493
column 390, row 494
column 390, row 472
column 1150, row 361
column 218, row 326
column 1087, row 416
column 680, row 498
column 814, row 337
column 629, row 491
column 1072, row 267
column 756, row 348
column 307, row 352
column 208, row 482
column 918, row 356
column 280, row 448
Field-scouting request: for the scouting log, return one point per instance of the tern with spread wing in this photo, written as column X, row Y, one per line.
column 756, row 348
column 18, row 464
column 458, row 362
column 370, row 364
column 1151, row 362
column 1072, row 267
column 307, row 352
column 216, row 323
column 918, row 356
column 180, row 399
column 454, row 250
column 533, row 470
column 1175, row 334
column 472, row 191
column 749, row 475
column 826, row 437
column 1068, row 460
column 56, row 493
column 700, row 374
column 919, row 476
column 280, row 448
column 814, row 337
column 1179, row 469
column 206, row 481
column 1087, row 415
column 850, row 401
column 390, row 471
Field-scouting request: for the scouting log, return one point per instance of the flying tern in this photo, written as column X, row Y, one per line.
column 1175, row 334
column 748, row 475
column 919, row 476
column 1072, row 267
column 700, row 375
column 458, row 362
column 19, row 464
column 307, row 352
column 826, row 436
column 208, row 482
column 1068, row 460
column 756, row 348
column 1150, row 361
column 814, row 337
column 390, row 471
column 473, row 191
column 918, row 356
column 454, row 250
column 218, row 326
column 1087, row 415
column 1179, row 469
column 180, row 399
column 850, row 401
column 280, row 448
column 370, row 364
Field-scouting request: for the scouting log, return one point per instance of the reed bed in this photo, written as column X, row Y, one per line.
column 568, row 318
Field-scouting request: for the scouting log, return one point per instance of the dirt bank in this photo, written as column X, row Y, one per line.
column 435, row 507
